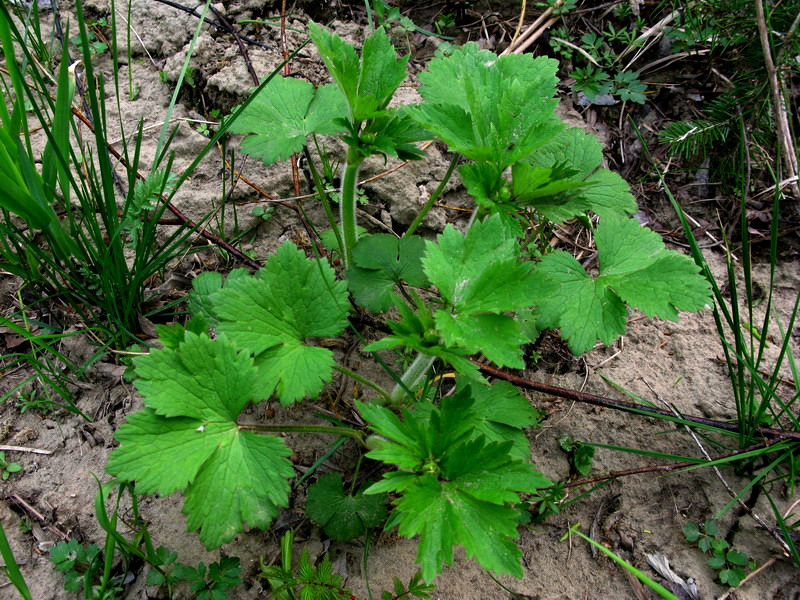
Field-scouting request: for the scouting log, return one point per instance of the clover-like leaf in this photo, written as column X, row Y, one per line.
column 343, row 516
column 274, row 312
column 187, row 438
column 285, row 112
column 381, row 262
column 635, row 268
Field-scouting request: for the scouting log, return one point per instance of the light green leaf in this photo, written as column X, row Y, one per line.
column 288, row 301
column 557, row 193
column 369, row 83
column 580, row 150
column 244, row 481
column 203, row 379
column 339, row 57
column 635, row 267
column 187, row 438
column 456, row 261
column 163, row 455
column 393, row 133
column 489, row 108
column 610, row 195
column 499, row 337
column 480, row 277
column 294, row 371
column 600, row 190
column 502, row 414
column 655, row 280
column 573, row 301
column 284, row 114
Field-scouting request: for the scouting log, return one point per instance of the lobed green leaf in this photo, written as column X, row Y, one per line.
column 635, row 268
column 284, row 114
column 274, row 312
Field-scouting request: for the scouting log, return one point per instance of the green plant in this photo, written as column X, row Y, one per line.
column 653, row 585
column 731, row 564
column 321, row 583
column 444, row 22
column 462, row 459
column 344, row 516
column 7, row 468
column 728, row 32
column 601, row 52
column 11, row 568
column 35, row 401
column 25, row 525
column 560, row 7
column 82, row 565
column 388, row 15
column 73, row 200
column 205, row 583
column 580, row 454
column 97, row 41
column 744, row 337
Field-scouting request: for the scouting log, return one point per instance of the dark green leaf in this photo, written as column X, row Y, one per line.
column 342, row 516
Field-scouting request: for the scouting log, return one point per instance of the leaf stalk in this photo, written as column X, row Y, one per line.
column 345, row 431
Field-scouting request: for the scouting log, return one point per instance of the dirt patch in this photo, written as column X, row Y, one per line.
column 669, row 364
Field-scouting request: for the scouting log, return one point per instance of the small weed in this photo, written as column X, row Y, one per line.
column 580, row 454
column 7, row 468
column 98, row 44
column 83, row 570
column 34, row 401
column 25, row 525
column 205, row 583
column 319, row 582
column 263, row 212
column 731, row 564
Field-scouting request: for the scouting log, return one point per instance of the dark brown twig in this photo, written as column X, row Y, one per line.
column 174, row 210
column 238, row 38
column 765, row 432
column 213, row 23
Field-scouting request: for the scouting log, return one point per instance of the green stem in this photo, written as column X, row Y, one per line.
column 347, row 205
column 364, row 381
column 434, row 197
column 346, row 431
column 323, row 196
column 413, row 376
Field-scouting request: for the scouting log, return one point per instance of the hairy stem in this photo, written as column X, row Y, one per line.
column 434, row 197
column 345, row 431
column 347, row 205
column 413, row 376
